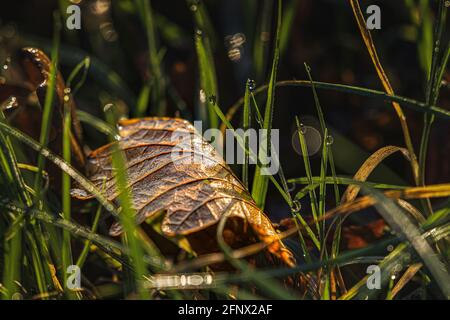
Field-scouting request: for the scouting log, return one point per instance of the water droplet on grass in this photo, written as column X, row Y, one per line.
column 296, row 206
column 251, row 85
column 11, row 103
column 302, row 129
column 329, row 140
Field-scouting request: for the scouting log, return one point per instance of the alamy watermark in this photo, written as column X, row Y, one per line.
column 73, row 21
column 233, row 147
column 374, row 278
column 374, row 18
column 73, row 281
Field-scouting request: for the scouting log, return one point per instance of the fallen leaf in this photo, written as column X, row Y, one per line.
column 28, row 83
column 172, row 168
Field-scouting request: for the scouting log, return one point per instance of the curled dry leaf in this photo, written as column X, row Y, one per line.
column 28, row 79
column 171, row 168
column 37, row 68
column 367, row 168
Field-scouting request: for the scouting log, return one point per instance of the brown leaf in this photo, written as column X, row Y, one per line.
column 37, row 68
column 171, row 168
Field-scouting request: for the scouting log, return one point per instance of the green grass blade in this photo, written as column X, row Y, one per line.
column 246, row 123
column 208, row 84
column 305, row 155
column 360, row 91
column 66, row 253
column 127, row 214
column 49, row 97
column 83, row 67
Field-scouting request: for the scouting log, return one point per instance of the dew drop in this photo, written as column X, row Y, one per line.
column 329, row 140
column 292, row 186
column 302, row 128
column 11, row 103
column 202, row 96
column 251, row 85
column 6, row 64
column 296, row 206
column 198, row 33
column 108, row 107
column 67, row 90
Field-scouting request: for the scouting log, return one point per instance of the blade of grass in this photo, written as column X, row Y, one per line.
column 341, row 180
column 367, row 37
column 364, row 92
column 49, row 97
column 208, row 83
column 312, row 193
column 127, row 214
column 367, row 168
column 82, row 66
column 84, row 253
column 325, row 135
column 66, row 253
column 96, row 123
column 246, row 125
column 435, row 73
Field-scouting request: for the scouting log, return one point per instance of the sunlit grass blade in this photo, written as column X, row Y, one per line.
column 98, row 124
column 127, row 213
column 327, row 139
column 367, row 37
column 369, row 166
column 364, row 92
column 82, row 67
column 66, row 254
column 208, row 94
column 316, row 181
column 305, row 155
column 246, row 123
column 286, row 196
